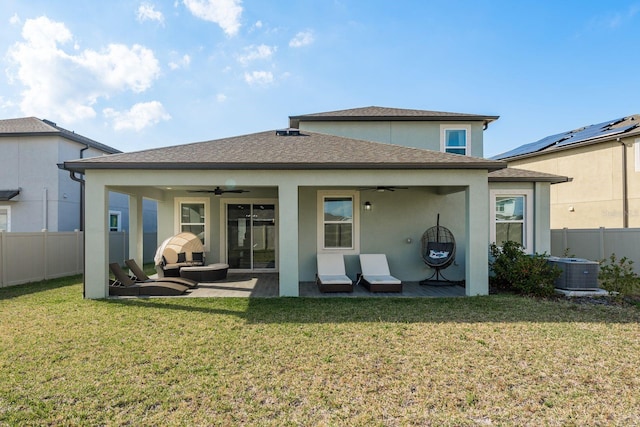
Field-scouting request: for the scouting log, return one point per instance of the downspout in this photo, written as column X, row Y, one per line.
column 625, row 194
column 81, row 181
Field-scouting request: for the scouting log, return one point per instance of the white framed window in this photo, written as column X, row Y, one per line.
column 5, row 218
column 192, row 216
column 455, row 139
column 637, row 149
column 115, row 221
column 512, row 217
column 339, row 221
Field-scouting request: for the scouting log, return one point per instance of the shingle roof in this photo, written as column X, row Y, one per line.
column 591, row 134
column 266, row 150
column 389, row 114
column 32, row 126
column 524, row 175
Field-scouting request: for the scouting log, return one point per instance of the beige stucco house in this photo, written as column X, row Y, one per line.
column 603, row 164
column 271, row 201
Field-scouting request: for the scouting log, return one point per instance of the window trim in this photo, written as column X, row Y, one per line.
column 443, row 130
column 223, row 244
column 179, row 201
column 528, row 219
column 8, row 209
column 118, row 214
column 355, row 197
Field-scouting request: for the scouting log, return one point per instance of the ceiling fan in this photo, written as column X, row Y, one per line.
column 382, row 188
column 219, row 191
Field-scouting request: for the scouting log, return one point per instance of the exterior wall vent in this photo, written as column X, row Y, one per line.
column 288, row 132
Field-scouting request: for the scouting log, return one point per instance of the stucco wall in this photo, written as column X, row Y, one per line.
column 409, row 134
column 541, row 217
column 593, row 198
column 394, row 218
column 30, row 165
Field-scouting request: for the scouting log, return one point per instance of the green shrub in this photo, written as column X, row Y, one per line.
column 514, row 270
column 618, row 276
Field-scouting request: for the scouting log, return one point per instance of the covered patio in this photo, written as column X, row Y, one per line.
column 265, row 285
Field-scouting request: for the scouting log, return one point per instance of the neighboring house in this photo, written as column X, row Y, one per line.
column 602, row 162
column 367, row 180
column 34, row 193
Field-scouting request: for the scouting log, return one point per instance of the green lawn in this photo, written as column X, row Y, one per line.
column 498, row 360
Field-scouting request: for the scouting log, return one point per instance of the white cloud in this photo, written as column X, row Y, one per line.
column 258, row 24
column 225, row 13
column 303, row 38
column 140, row 116
column 181, row 63
column 221, row 97
column 15, row 19
column 259, row 78
column 148, row 12
column 65, row 85
column 120, row 67
column 253, row 53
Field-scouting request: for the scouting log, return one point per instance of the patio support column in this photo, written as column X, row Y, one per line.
column 477, row 238
column 288, row 239
column 135, row 229
column 96, row 250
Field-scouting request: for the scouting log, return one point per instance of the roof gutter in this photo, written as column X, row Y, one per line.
column 82, row 167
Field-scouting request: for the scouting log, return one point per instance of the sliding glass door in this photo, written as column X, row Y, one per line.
column 251, row 236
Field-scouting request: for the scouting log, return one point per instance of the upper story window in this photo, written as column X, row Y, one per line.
column 455, row 139
column 338, row 221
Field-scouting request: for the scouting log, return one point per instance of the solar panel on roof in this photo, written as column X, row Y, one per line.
column 595, row 133
column 567, row 138
column 533, row 146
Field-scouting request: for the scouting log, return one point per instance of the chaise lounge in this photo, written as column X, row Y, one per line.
column 376, row 276
column 141, row 277
column 123, row 285
column 331, row 275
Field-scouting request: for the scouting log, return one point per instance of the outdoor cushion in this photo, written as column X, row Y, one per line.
column 331, row 274
column 376, row 275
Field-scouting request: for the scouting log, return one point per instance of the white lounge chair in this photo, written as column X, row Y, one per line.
column 376, row 276
column 331, row 275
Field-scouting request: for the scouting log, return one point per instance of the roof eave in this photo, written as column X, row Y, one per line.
column 81, row 167
column 552, row 180
column 485, row 119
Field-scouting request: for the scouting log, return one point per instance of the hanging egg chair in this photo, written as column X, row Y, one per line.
column 438, row 251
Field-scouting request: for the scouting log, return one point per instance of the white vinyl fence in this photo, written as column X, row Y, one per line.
column 597, row 244
column 31, row 257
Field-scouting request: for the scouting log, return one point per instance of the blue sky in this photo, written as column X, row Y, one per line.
column 140, row 74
